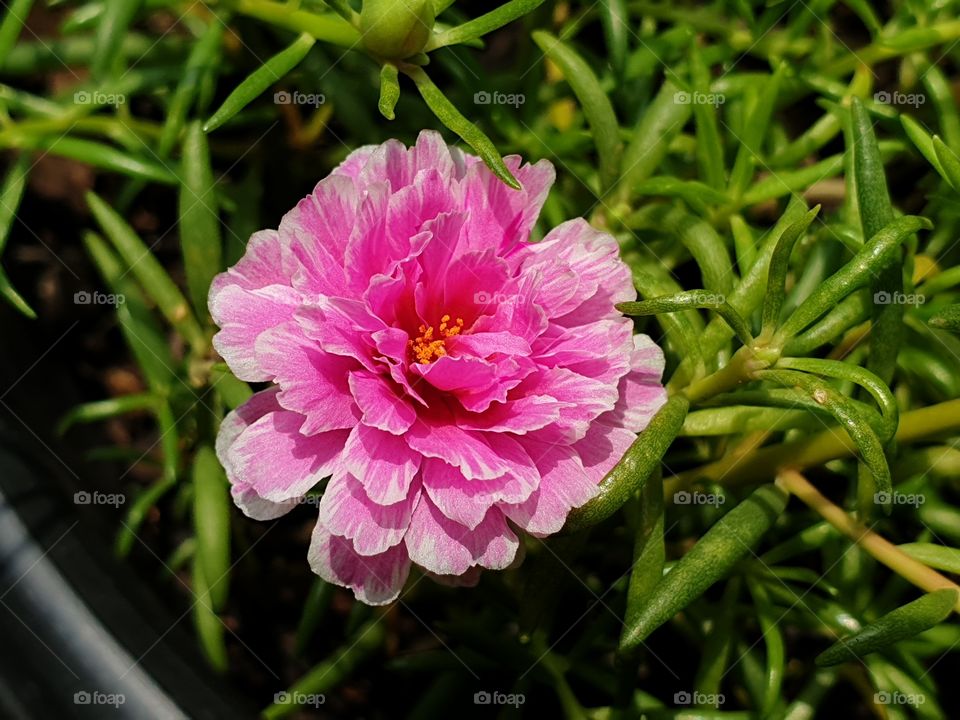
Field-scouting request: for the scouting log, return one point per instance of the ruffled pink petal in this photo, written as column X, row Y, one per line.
column 485, row 344
column 467, row 501
column 411, row 210
column 472, row 285
column 519, row 416
column 347, row 511
column 390, row 297
column 559, row 347
column 445, row 547
column 342, row 327
column 641, row 394
column 558, row 289
column 502, row 217
column 457, row 374
column 273, row 459
column 601, row 448
column 391, row 345
column 383, row 462
column 371, row 250
column 380, row 404
column 516, row 309
column 593, row 256
column 480, row 456
column 242, row 316
column 580, row 399
column 316, row 232
column 431, row 152
column 262, row 264
column 399, row 166
column 239, row 419
column 375, row 580
column 233, row 424
column 596, row 308
column 391, row 348
column 255, row 507
column 600, row 351
column 354, row 162
column 564, row 485
column 313, row 383
column 443, row 235
column 250, row 297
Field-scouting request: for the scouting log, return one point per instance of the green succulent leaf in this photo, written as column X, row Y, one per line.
column 948, row 161
column 875, row 255
column 389, row 90
column 200, row 238
column 105, row 409
column 140, row 328
column 113, row 26
column 453, row 119
column 710, row 560
column 260, row 79
column 16, row 13
column 209, row 626
column 779, row 267
column 857, row 426
column 143, row 264
column 596, row 105
column 635, row 468
column 649, row 551
column 856, row 374
column 876, row 212
column 99, row 155
column 10, row 195
column 487, row 23
column 947, row 318
column 687, row 300
column 211, row 520
column 900, row 624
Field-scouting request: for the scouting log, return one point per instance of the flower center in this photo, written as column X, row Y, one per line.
column 428, row 345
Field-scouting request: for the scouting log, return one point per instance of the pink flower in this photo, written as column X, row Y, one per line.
column 455, row 381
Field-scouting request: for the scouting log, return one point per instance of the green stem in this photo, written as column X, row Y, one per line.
column 741, row 368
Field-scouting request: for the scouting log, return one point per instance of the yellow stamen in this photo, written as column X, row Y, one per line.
column 425, row 349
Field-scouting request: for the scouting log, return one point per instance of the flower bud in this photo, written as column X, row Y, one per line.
column 396, row 29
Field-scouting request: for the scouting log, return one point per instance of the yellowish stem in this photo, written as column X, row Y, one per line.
column 883, row 550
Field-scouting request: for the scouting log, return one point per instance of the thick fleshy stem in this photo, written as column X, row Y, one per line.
column 742, row 368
